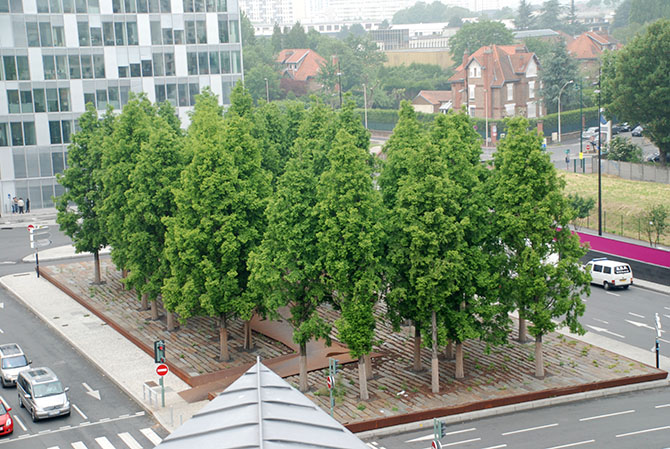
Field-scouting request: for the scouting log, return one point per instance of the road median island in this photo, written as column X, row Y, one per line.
column 496, row 377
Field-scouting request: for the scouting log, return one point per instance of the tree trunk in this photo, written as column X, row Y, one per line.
column 368, row 366
column 417, row 349
column 124, row 273
column 449, row 351
column 539, row 361
column 145, row 302
column 362, row 380
column 97, row 279
column 247, row 335
column 304, row 384
column 434, row 364
column 224, row 356
column 460, row 371
column 523, row 336
column 171, row 322
column 154, row 310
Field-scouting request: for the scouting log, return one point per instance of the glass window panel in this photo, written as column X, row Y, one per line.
column 4, row 141
column 86, row 67
column 96, row 37
column 178, row 37
column 203, row 63
column 156, row 32
column 169, row 64
column 165, row 6
column 120, row 33
column 101, row 98
column 160, row 93
column 193, row 91
column 99, row 66
column 93, row 7
column 124, row 92
column 64, row 96
column 40, row 100
column 80, row 6
column 54, row 5
column 33, row 163
column 192, row 63
column 17, row 134
column 89, row 98
column 33, row 34
column 67, row 130
column 29, row 133
column 26, row 101
column 222, row 5
column 158, row 64
column 22, row 67
column 16, row 5
column 116, row 6
column 225, row 62
column 61, row 67
column 171, row 93
column 43, row 6
column 210, row 5
column 167, row 36
column 68, row 6
column 59, row 36
column 52, row 100
column 108, row 33
column 214, row 62
column 113, row 97
column 13, row 101
column 153, row 6
column 59, row 189
column 236, row 62
column 198, row 5
column 123, row 71
column 55, row 131
column 45, row 34
column 129, row 5
column 49, row 67
column 19, row 156
column 45, row 163
column 234, row 32
column 84, row 36
column 142, row 6
column 57, row 162
column 202, row 31
column 75, row 70
column 188, row 5
column 10, row 67
column 189, row 25
column 4, row 6
column 223, row 30
column 135, row 70
column 146, row 68
column 47, row 195
column 132, row 32
column 183, row 94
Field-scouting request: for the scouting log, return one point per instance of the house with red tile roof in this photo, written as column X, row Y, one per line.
column 299, row 68
column 432, row 101
column 588, row 47
column 498, row 81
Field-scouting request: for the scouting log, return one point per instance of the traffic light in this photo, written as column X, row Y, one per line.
column 441, row 429
column 159, row 351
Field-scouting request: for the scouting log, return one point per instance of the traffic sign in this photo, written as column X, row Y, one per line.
column 162, row 369
column 330, row 381
column 30, row 227
column 436, row 445
column 588, row 147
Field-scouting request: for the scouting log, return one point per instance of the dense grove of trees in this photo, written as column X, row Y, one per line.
column 266, row 207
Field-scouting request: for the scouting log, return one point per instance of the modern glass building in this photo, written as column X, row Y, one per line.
column 58, row 55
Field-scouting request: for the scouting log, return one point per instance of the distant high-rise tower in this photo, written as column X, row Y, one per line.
column 58, row 55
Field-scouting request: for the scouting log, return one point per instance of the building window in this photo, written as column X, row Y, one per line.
column 223, row 30
column 475, row 72
column 169, row 64
column 96, row 37
column 531, row 89
column 61, row 67
column 58, row 36
column 131, row 28
column 23, row 67
column 99, row 66
column 108, row 33
column 45, row 34
column 27, row 101
column 55, row 132
column 84, row 36
column 4, row 141
column 13, row 101
column 33, row 34
column 471, row 91
column 29, row 133
column 52, row 100
column 510, row 92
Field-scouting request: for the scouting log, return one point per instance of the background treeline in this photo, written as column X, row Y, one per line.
column 274, row 206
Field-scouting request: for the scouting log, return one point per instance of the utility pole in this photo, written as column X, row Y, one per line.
column 267, row 90
column 339, row 81
column 600, row 196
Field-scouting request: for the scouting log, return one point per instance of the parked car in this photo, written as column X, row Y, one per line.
column 609, row 273
column 12, row 362
column 656, row 157
column 637, row 131
column 590, row 133
column 42, row 394
column 616, row 129
column 624, row 127
column 6, row 423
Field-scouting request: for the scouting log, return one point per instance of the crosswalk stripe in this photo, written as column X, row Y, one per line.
column 130, row 441
column 53, row 447
column 151, row 435
column 79, row 445
column 104, row 443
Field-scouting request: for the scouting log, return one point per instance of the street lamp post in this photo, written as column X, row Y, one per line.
column 581, row 118
column 600, row 196
column 486, row 117
column 560, row 92
column 267, row 90
column 339, row 81
column 365, row 105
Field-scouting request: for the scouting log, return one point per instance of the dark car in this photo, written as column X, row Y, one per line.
column 624, row 127
column 637, row 131
column 656, row 157
column 616, row 129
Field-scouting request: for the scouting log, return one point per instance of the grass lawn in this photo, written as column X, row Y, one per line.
column 623, row 202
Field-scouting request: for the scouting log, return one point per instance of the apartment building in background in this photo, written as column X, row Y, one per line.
column 58, row 55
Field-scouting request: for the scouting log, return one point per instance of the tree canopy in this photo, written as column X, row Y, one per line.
column 472, row 36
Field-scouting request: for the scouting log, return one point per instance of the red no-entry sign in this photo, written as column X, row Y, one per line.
column 162, row 370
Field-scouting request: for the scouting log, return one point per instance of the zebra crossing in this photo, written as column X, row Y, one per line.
column 123, row 440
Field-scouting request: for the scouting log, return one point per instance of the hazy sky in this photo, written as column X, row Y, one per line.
column 496, row 4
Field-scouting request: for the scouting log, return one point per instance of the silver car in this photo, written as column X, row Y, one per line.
column 42, row 394
column 12, row 362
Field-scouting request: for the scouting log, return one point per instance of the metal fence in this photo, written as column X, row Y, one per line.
column 625, row 170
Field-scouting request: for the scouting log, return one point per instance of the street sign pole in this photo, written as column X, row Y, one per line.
column 38, row 237
column 332, row 371
column 658, row 335
column 162, row 392
column 162, row 370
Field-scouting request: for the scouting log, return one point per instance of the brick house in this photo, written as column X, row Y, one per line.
column 588, row 47
column 432, row 101
column 299, row 69
column 498, row 81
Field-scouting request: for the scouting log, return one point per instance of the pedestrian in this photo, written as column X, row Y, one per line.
column 27, row 205
column 15, row 205
column 567, row 162
column 21, row 204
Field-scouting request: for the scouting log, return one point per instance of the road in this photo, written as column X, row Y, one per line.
column 625, row 421
column 112, row 421
column 15, row 245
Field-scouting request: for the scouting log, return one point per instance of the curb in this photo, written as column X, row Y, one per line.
column 508, row 409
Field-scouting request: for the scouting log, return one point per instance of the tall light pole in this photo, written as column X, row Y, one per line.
column 600, row 197
column 560, row 92
column 581, row 118
column 267, row 90
column 365, row 104
column 339, row 81
column 486, row 116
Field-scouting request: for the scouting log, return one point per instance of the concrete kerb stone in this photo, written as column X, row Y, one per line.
column 507, row 409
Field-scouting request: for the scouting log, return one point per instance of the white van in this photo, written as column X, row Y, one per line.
column 610, row 273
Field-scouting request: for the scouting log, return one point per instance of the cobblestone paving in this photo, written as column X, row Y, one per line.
column 395, row 389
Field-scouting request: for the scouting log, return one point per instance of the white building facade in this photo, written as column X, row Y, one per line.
column 58, row 55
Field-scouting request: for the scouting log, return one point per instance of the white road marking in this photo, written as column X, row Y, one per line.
column 79, row 445
column 666, row 308
column 600, row 329
column 667, row 316
column 151, row 435
column 664, row 341
column 431, row 436
column 530, row 428
column 579, row 443
column 74, row 406
column 16, row 419
column 370, row 445
column 607, row 415
column 642, row 431
column 613, row 294
column 600, row 321
column 662, row 406
column 460, row 442
column 53, row 447
column 104, row 443
column 90, row 391
column 1, row 331
column 636, row 314
column 130, row 441
column 635, row 323
column 496, row 447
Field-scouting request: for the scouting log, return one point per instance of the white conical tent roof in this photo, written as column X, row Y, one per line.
column 261, row 410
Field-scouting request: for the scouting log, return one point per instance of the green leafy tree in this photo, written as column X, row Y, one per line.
column 524, row 18
column 543, row 273
column 551, row 11
column 263, row 82
column 472, row 36
column 349, row 241
column 296, row 37
column 655, row 219
column 582, row 206
column 277, row 39
column 423, row 12
column 83, row 188
column 622, row 149
column 557, row 69
column 270, row 130
column 635, row 94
